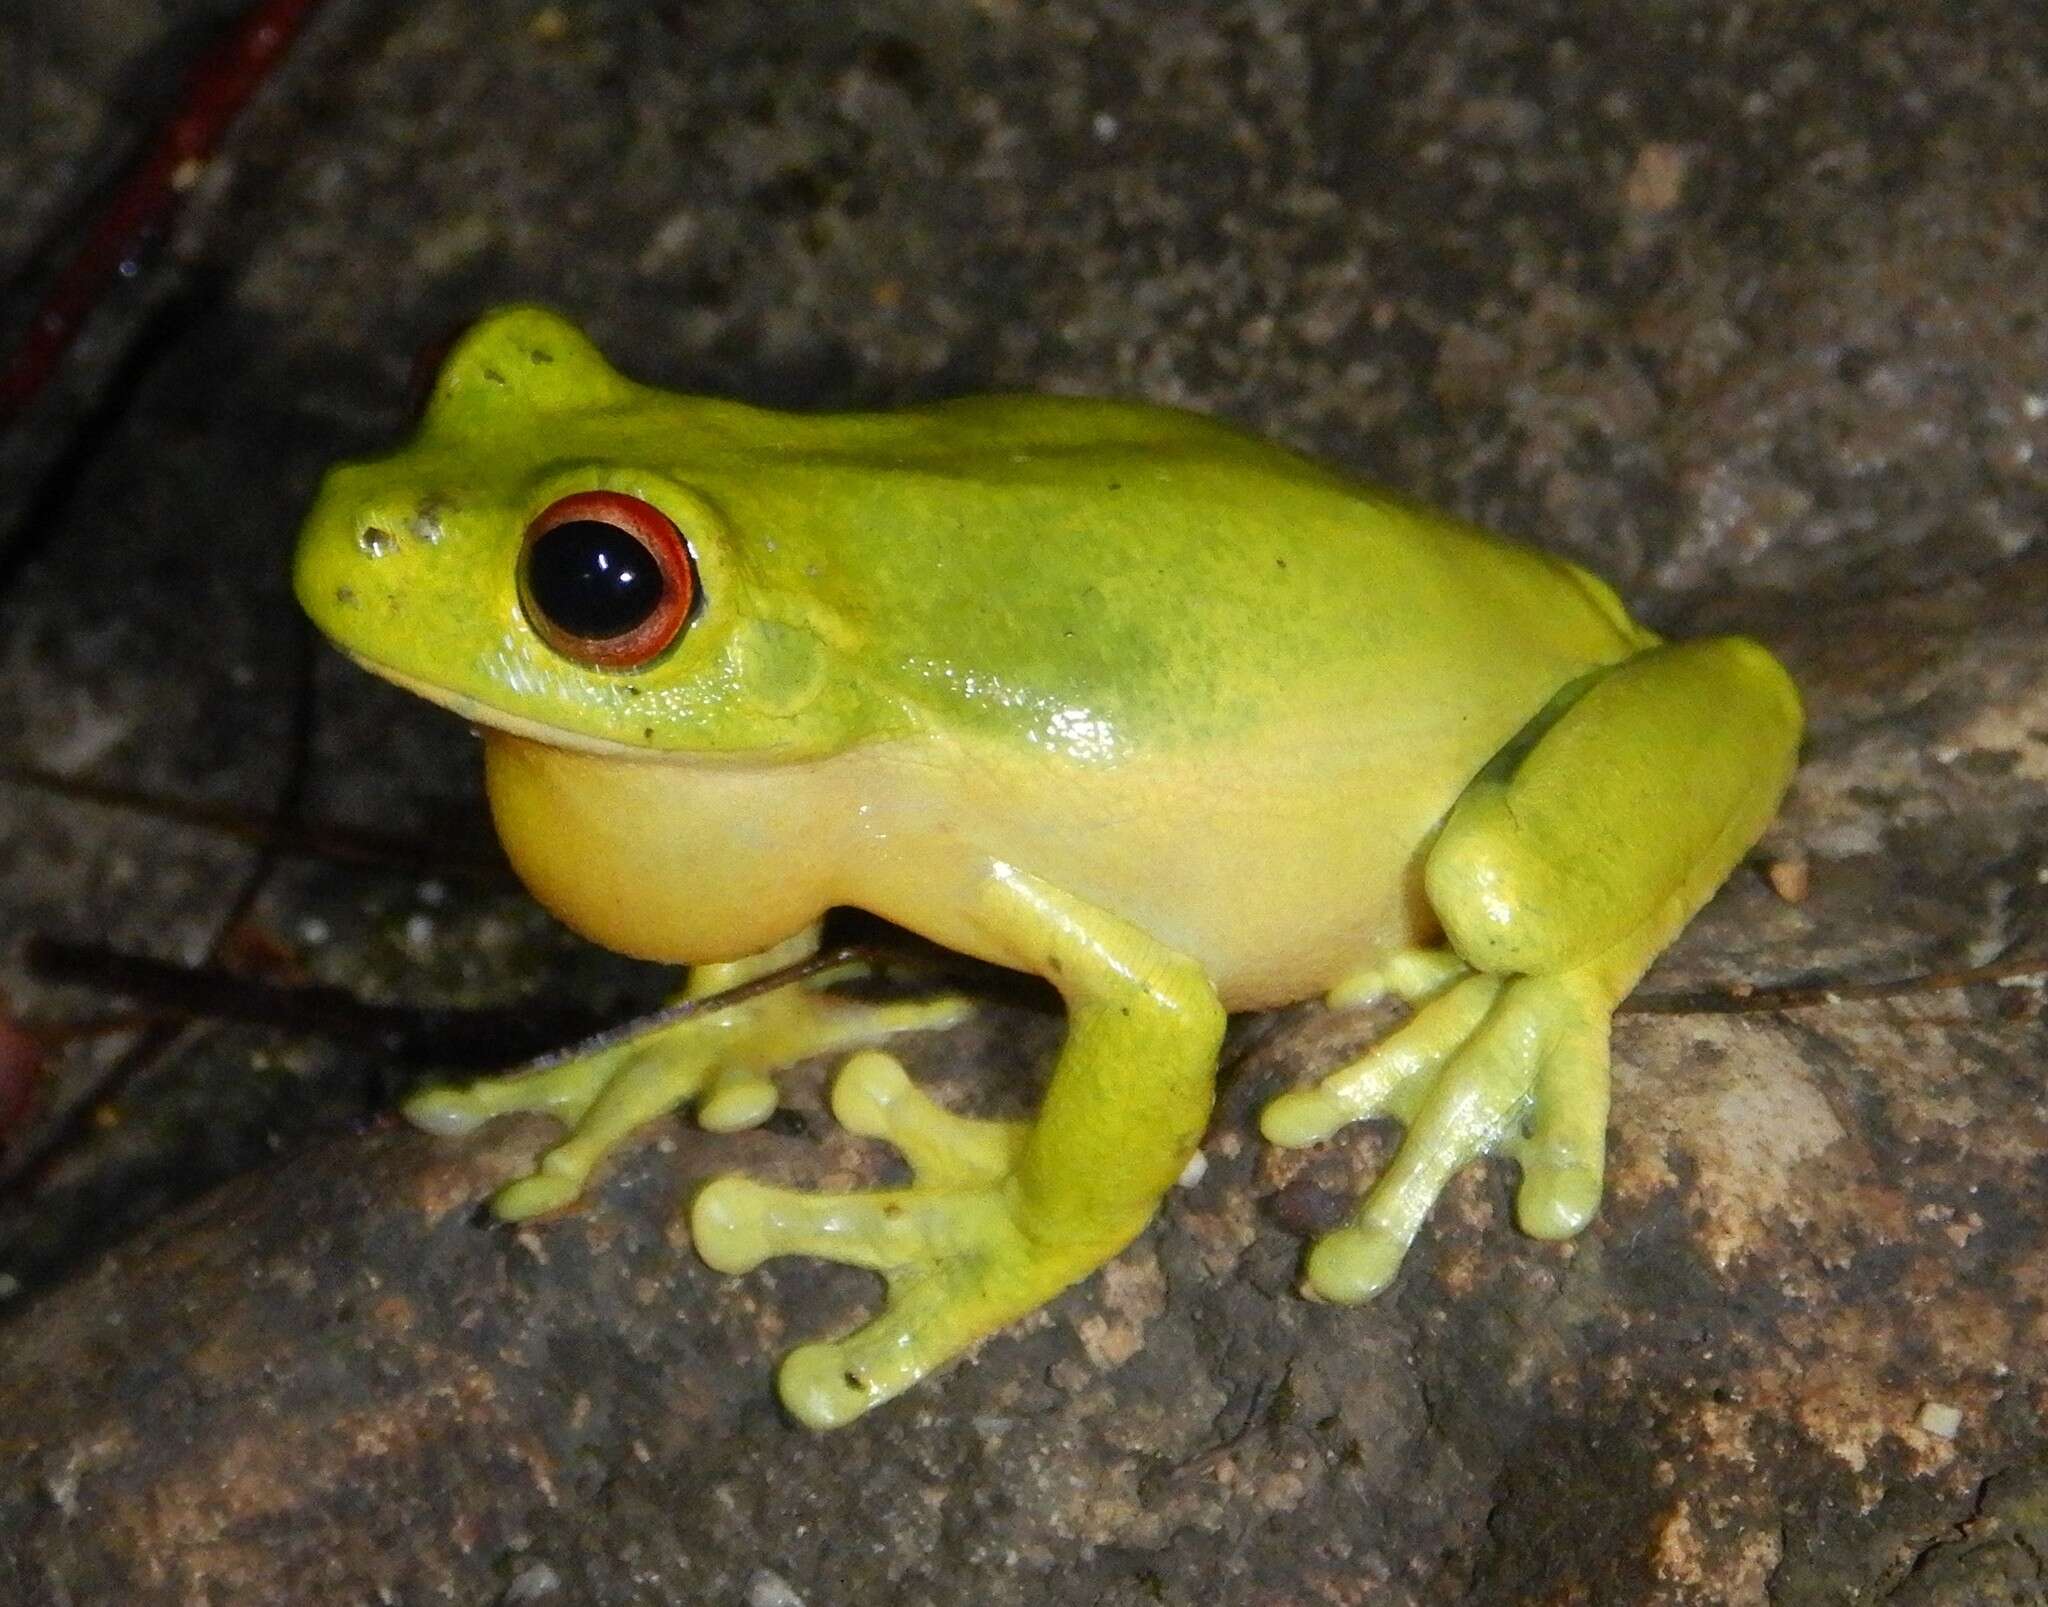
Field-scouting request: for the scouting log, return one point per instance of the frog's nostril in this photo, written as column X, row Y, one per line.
column 376, row 541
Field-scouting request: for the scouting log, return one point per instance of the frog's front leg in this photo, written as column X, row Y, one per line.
column 1560, row 873
column 722, row 1060
column 1001, row 1215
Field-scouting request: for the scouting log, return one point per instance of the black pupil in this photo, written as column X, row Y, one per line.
column 592, row 579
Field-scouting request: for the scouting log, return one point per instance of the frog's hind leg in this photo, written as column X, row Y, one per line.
column 1001, row 1215
column 722, row 1061
column 1558, row 876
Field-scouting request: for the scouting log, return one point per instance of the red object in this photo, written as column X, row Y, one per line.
column 138, row 213
column 21, row 1073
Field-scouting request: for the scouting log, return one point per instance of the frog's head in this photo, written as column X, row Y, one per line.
column 537, row 561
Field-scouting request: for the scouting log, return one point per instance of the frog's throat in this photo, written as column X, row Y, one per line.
column 478, row 712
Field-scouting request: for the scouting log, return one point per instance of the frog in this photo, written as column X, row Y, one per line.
column 1129, row 699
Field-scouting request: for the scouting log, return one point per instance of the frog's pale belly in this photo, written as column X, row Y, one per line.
column 1279, row 884
column 1278, row 876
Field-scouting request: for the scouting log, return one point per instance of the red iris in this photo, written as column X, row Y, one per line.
column 606, row 579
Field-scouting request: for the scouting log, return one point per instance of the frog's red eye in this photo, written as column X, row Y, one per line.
column 606, row 579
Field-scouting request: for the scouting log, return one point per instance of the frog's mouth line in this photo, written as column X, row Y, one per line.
column 478, row 712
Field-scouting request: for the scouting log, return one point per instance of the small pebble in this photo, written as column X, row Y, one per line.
column 535, row 1582
column 1791, row 878
column 1656, row 180
column 768, row 1589
column 1942, row 1421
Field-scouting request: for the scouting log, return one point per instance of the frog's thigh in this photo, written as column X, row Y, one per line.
column 1603, row 835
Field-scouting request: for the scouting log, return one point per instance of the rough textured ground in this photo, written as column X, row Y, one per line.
column 1747, row 307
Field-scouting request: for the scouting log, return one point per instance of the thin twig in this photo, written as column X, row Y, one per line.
column 449, row 1037
column 668, row 1015
column 486, row 1037
column 343, row 845
column 414, row 1034
column 135, row 217
column 54, row 1035
column 1743, row 999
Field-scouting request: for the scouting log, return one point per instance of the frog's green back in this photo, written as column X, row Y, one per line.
column 1113, row 572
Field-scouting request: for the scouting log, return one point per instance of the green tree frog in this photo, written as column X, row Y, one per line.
column 1173, row 718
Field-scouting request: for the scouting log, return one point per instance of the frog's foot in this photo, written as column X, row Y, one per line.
column 721, row 1061
column 1413, row 975
column 1509, row 1064
column 953, row 1247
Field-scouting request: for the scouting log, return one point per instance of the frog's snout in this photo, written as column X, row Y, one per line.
column 343, row 553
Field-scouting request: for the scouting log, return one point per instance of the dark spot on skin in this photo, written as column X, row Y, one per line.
column 1116, row 485
column 632, row 691
column 647, row 731
column 375, row 541
column 1282, row 562
column 345, row 595
column 494, row 376
column 853, row 1380
column 540, row 356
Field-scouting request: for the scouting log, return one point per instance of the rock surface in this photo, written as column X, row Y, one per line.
column 1748, row 310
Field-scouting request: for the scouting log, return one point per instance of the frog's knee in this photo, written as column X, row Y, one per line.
column 1498, row 890
column 1616, row 812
